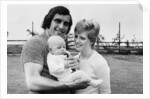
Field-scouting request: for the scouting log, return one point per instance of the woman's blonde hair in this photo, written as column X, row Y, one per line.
column 91, row 27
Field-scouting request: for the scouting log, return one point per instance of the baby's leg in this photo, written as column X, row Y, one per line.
column 82, row 75
column 95, row 82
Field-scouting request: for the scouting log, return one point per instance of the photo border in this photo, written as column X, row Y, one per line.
column 3, row 87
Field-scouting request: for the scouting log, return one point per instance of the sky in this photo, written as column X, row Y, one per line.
column 21, row 16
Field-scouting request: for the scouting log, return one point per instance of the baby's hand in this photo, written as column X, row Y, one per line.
column 72, row 63
column 66, row 65
column 66, row 54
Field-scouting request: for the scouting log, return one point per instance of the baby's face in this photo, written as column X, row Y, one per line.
column 58, row 49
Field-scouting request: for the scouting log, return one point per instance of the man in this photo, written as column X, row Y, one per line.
column 57, row 22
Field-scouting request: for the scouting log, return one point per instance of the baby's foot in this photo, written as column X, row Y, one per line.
column 95, row 83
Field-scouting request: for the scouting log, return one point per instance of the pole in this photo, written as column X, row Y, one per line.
column 98, row 41
column 119, row 38
column 32, row 28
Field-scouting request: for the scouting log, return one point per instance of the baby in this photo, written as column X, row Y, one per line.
column 59, row 67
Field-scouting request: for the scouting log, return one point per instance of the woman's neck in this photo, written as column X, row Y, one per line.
column 86, row 54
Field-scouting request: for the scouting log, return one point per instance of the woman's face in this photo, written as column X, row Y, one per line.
column 82, row 42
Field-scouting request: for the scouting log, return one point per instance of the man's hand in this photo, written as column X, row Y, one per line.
column 77, row 84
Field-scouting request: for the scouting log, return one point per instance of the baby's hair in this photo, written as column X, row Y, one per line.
column 53, row 40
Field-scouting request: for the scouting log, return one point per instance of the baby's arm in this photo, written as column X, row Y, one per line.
column 55, row 68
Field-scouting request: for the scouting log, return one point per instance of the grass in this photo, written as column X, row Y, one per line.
column 15, row 77
column 126, row 74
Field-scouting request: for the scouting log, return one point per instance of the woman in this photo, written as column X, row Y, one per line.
column 91, row 62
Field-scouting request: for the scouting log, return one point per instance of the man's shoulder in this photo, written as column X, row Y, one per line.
column 36, row 41
column 36, row 38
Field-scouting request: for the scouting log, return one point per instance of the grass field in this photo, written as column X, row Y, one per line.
column 126, row 74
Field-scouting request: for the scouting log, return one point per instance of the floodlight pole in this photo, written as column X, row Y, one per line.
column 119, row 37
column 32, row 28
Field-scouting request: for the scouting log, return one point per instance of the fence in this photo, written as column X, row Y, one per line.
column 15, row 46
column 14, row 49
column 122, row 48
column 101, row 47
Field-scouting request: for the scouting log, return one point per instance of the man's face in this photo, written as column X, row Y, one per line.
column 59, row 25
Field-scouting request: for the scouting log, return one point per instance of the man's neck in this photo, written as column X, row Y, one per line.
column 47, row 33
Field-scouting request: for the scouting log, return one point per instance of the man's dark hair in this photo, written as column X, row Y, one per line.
column 56, row 10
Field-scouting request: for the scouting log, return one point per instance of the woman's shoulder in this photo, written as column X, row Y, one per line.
column 96, row 54
column 97, row 57
column 99, row 61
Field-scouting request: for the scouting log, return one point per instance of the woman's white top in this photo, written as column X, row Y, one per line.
column 97, row 68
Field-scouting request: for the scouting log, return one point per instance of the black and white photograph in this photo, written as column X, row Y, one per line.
column 75, row 48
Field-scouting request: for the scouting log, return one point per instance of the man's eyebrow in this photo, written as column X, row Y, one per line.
column 68, row 21
column 57, row 19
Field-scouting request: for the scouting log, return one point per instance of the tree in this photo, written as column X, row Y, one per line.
column 134, row 41
column 7, row 33
column 31, row 32
column 127, row 43
column 116, row 39
column 134, row 38
column 101, row 38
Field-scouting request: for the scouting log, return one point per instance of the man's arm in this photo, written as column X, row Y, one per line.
column 78, row 84
column 38, row 83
